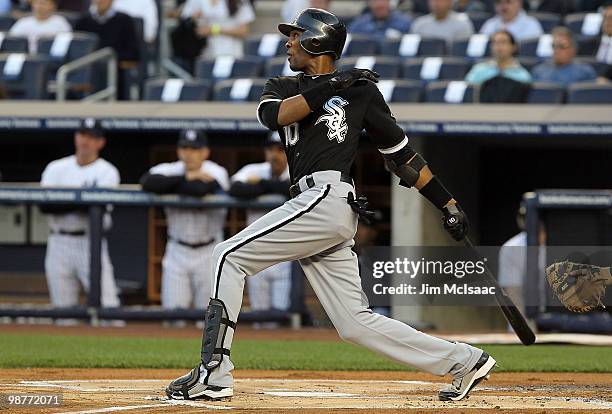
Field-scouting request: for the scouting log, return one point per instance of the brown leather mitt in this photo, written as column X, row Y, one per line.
column 579, row 287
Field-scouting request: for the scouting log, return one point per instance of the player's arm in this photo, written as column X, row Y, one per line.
column 197, row 188
column 160, row 183
column 243, row 189
column 276, row 111
column 412, row 169
column 49, row 179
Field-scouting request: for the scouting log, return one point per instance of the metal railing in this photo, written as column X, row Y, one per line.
column 176, row 70
column 103, row 55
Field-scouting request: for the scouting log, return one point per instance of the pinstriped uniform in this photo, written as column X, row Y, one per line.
column 270, row 288
column 67, row 256
column 186, row 277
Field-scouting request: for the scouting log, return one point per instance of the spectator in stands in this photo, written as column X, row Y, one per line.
column 143, row 9
column 291, row 8
column 192, row 232
column 381, row 21
column 5, row 6
column 270, row 288
column 43, row 22
column 504, row 63
column 604, row 50
column 78, row 6
column 225, row 23
column 562, row 69
column 443, row 22
column 67, row 257
column 512, row 17
column 562, row 7
column 115, row 30
column 468, row 6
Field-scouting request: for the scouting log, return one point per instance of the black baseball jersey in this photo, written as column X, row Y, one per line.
column 328, row 138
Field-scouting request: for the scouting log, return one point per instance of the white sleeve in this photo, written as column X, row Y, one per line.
column 222, row 178
column 151, row 23
column 488, row 27
column 245, row 13
column 49, row 178
column 110, row 178
column 243, row 174
column 166, row 169
column 63, row 25
column 190, row 7
column 19, row 28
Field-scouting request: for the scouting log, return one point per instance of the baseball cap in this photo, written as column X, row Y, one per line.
column 92, row 127
column 192, row 138
column 273, row 139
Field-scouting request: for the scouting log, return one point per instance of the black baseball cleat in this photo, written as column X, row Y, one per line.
column 461, row 386
column 191, row 387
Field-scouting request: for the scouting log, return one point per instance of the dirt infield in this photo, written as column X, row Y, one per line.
column 141, row 391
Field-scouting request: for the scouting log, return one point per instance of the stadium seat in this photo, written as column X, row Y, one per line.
column 360, row 45
column 226, row 67
column 478, row 19
column 58, row 53
column 173, row 90
column 413, row 45
column 587, row 45
column 449, row 92
column 239, row 90
column 6, row 22
column 12, row 44
column 28, row 79
column 546, row 93
column 529, row 62
column 476, row 47
column 540, row 47
column 387, row 67
column 267, row 45
column 589, row 93
column 435, row 68
column 400, row 90
column 548, row 21
column 278, row 67
column 588, row 24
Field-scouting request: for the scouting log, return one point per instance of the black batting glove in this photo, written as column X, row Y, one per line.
column 455, row 222
column 347, row 78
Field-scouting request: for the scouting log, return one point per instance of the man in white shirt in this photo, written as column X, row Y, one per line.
column 192, row 233
column 43, row 22
column 144, row 9
column 443, row 22
column 67, row 258
column 512, row 17
column 270, row 288
column 604, row 51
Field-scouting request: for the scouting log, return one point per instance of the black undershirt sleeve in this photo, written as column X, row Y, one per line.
column 161, row 184
column 246, row 190
column 197, row 188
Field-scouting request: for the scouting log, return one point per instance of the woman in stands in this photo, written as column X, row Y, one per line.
column 224, row 23
column 504, row 63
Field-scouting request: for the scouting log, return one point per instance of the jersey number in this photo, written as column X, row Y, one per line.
column 292, row 133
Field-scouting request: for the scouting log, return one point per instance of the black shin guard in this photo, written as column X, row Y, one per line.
column 215, row 328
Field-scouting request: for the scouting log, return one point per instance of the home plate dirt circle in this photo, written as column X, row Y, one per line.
column 279, row 395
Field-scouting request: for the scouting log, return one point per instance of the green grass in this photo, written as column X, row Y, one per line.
column 20, row 351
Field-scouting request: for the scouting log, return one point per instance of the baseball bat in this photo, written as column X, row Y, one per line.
column 511, row 312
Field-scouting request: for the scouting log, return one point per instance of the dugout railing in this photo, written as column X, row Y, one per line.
column 96, row 199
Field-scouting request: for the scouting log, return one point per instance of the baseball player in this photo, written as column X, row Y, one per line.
column 320, row 114
column 272, row 286
column 67, row 258
column 192, row 233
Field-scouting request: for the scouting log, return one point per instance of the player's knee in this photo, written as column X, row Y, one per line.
column 353, row 329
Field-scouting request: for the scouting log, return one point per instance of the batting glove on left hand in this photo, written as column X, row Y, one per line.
column 455, row 222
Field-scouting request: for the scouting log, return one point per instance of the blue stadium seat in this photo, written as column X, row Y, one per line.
column 267, row 45
column 239, row 90
column 360, row 45
column 460, row 47
column 400, row 90
column 278, row 67
column 227, row 67
column 12, row 44
column 589, row 93
column 30, row 82
column 548, row 20
column 387, row 67
column 6, row 22
column 546, row 93
column 529, row 62
column 575, row 22
column 189, row 91
column 81, row 45
column 451, row 68
column 435, row 92
column 530, row 47
column 427, row 47
column 478, row 19
column 587, row 45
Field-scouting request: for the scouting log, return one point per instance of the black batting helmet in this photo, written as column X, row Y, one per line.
column 323, row 33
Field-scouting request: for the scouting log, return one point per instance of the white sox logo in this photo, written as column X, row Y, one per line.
column 335, row 119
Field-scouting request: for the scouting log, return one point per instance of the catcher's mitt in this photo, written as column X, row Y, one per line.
column 580, row 287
